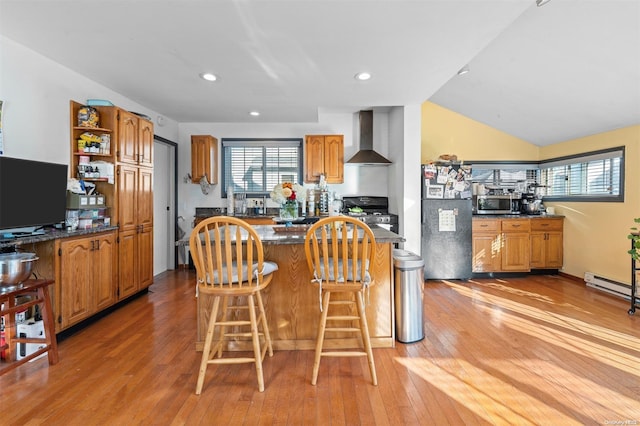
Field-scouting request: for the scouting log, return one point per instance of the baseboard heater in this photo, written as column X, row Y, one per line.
column 605, row 284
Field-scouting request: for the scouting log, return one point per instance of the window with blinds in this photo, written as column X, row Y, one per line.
column 593, row 176
column 255, row 166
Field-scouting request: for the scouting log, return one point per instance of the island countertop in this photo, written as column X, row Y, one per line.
column 269, row 236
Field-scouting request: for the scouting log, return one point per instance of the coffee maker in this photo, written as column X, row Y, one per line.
column 530, row 204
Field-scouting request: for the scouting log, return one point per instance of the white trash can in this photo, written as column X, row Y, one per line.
column 409, row 294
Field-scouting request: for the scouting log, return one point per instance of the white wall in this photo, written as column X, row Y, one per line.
column 404, row 174
column 359, row 180
column 36, row 93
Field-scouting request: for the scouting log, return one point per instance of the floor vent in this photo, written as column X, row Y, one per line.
column 610, row 286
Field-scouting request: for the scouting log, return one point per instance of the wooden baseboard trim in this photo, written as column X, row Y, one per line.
column 571, row 277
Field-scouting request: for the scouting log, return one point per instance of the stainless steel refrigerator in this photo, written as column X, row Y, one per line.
column 446, row 221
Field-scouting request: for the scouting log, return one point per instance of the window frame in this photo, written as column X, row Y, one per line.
column 263, row 143
column 581, row 159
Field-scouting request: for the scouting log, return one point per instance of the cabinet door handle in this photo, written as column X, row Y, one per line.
column 92, row 245
column 97, row 244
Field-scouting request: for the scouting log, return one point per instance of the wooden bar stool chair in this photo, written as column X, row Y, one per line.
column 230, row 267
column 340, row 252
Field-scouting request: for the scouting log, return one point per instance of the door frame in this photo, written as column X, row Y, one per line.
column 174, row 146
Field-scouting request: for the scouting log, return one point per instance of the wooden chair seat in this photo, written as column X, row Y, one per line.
column 218, row 246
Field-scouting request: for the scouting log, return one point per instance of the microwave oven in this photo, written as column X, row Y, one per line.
column 492, row 204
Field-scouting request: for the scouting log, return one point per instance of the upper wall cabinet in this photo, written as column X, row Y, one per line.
column 204, row 158
column 135, row 139
column 324, row 154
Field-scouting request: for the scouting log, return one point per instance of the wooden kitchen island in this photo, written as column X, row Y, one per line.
column 292, row 304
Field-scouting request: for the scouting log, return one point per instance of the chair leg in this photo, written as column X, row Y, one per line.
column 223, row 328
column 265, row 326
column 206, row 355
column 320, row 340
column 256, row 341
column 365, row 336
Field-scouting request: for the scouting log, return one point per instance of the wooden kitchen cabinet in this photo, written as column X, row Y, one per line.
column 134, row 176
column 516, row 249
column 135, row 204
column 134, row 139
column 204, row 158
column 547, row 243
column 79, row 291
column 87, row 277
column 324, row 154
column 486, row 245
column 516, row 245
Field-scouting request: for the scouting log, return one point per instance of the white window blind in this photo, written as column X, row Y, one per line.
column 594, row 176
column 256, row 166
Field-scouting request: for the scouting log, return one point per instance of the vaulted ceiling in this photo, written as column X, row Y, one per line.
column 545, row 74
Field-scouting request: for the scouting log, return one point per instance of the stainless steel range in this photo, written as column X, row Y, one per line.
column 375, row 210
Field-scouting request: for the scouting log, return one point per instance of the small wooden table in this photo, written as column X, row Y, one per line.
column 38, row 292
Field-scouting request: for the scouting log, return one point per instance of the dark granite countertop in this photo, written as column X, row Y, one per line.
column 269, row 236
column 51, row 234
column 518, row 216
column 219, row 211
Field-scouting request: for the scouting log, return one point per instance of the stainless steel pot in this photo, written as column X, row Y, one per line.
column 15, row 268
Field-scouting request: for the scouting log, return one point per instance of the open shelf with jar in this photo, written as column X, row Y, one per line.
column 93, row 150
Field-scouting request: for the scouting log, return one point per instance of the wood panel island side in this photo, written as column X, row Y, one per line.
column 293, row 306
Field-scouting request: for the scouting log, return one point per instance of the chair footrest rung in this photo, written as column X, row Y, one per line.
column 348, row 329
column 237, row 307
column 246, row 334
column 343, row 318
column 231, row 360
column 338, row 353
column 233, row 323
column 342, row 302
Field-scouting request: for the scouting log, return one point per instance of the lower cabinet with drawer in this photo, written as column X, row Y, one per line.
column 486, row 245
column 546, row 243
column 516, row 251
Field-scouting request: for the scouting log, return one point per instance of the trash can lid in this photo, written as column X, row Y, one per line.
column 404, row 259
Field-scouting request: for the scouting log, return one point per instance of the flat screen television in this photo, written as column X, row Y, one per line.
column 32, row 194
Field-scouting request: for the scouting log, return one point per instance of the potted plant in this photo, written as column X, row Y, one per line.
column 634, row 236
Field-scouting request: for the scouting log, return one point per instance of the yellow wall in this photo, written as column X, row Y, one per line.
column 447, row 132
column 594, row 233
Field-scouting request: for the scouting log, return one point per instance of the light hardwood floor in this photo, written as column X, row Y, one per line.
column 537, row 350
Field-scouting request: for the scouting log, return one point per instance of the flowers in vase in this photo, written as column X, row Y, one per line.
column 288, row 191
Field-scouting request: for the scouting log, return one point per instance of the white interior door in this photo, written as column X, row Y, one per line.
column 163, row 207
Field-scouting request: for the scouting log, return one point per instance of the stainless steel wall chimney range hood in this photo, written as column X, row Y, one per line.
column 366, row 155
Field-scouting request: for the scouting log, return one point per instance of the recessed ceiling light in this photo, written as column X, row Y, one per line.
column 208, row 76
column 254, row 113
column 362, row 76
column 463, row 70
column 542, row 2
